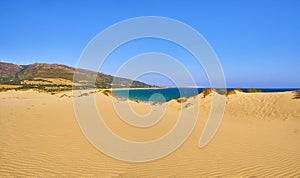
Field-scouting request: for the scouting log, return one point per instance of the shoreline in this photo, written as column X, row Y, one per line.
column 111, row 89
column 90, row 91
column 86, row 92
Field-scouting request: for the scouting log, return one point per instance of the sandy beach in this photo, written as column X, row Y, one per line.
column 259, row 136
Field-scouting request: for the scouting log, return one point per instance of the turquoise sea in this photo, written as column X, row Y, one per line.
column 166, row 94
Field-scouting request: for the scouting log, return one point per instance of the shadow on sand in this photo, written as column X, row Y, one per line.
column 296, row 94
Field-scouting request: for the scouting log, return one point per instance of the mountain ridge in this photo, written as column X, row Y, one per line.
column 44, row 74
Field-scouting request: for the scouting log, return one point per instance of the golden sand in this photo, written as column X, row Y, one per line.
column 259, row 136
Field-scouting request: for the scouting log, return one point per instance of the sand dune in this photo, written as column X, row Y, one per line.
column 259, row 136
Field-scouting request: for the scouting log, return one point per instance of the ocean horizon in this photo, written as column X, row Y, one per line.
column 167, row 94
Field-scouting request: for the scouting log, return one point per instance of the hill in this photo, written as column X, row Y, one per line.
column 58, row 74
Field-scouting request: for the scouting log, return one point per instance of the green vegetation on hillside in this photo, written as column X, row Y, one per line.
column 29, row 75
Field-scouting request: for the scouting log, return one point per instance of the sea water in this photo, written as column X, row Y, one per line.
column 167, row 94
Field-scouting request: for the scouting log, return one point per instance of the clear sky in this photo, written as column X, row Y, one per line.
column 257, row 41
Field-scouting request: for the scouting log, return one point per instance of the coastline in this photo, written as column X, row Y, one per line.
column 111, row 89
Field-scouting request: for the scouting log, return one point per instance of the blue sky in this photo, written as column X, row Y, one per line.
column 257, row 41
